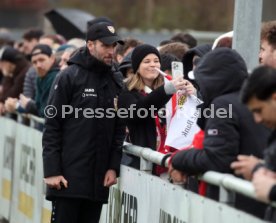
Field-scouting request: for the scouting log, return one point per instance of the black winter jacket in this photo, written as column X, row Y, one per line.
column 220, row 75
column 142, row 131
column 76, row 145
column 270, row 158
column 13, row 85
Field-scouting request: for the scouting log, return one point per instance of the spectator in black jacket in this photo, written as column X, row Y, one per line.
column 259, row 94
column 146, row 90
column 29, row 89
column 245, row 164
column 82, row 146
column 225, row 136
column 14, row 67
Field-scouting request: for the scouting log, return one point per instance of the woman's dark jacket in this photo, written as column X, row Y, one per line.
column 142, row 131
column 13, row 86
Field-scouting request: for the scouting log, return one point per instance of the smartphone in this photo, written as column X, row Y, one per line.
column 177, row 69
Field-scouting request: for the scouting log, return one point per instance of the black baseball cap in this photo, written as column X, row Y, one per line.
column 42, row 49
column 105, row 32
column 99, row 19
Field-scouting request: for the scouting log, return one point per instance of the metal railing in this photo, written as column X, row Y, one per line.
column 33, row 119
column 227, row 183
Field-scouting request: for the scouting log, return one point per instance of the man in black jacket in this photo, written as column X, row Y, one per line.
column 82, row 147
column 245, row 164
column 220, row 75
column 259, row 94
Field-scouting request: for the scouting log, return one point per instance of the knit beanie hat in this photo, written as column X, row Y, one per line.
column 8, row 53
column 140, row 52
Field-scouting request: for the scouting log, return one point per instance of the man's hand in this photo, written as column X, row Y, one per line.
column 263, row 181
column 177, row 176
column 245, row 165
column 110, row 178
column 10, row 104
column 24, row 100
column 189, row 88
column 56, row 182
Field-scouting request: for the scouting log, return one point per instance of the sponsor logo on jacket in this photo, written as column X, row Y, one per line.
column 89, row 92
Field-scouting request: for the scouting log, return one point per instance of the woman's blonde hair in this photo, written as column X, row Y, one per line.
column 136, row 82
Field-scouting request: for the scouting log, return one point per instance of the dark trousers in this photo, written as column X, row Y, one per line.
column 71, row 210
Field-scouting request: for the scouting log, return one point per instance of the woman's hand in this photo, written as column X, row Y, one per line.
column 184, row 85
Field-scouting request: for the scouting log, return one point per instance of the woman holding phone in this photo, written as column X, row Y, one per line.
column 146, row 94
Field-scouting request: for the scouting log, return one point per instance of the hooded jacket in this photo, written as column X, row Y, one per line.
column 187, row 60
column 220, row 75
column 81, row 145
column 125, row 64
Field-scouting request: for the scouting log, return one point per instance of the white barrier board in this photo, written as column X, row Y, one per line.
column 145, row 198
column 7, row 147
column 137, row 198
column 27, row 195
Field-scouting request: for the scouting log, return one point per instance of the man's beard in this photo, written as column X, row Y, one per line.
column 108, row 61
column 103, row 60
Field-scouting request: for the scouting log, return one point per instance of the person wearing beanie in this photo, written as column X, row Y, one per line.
column 78, row 173
column 14, row 67
column 146, row 90
column 140, row 52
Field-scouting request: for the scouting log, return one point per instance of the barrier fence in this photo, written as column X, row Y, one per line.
column 138, row 197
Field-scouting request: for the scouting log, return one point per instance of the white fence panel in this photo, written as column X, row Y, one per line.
column 7, row 147
column 140, row 197
column 28, row 178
